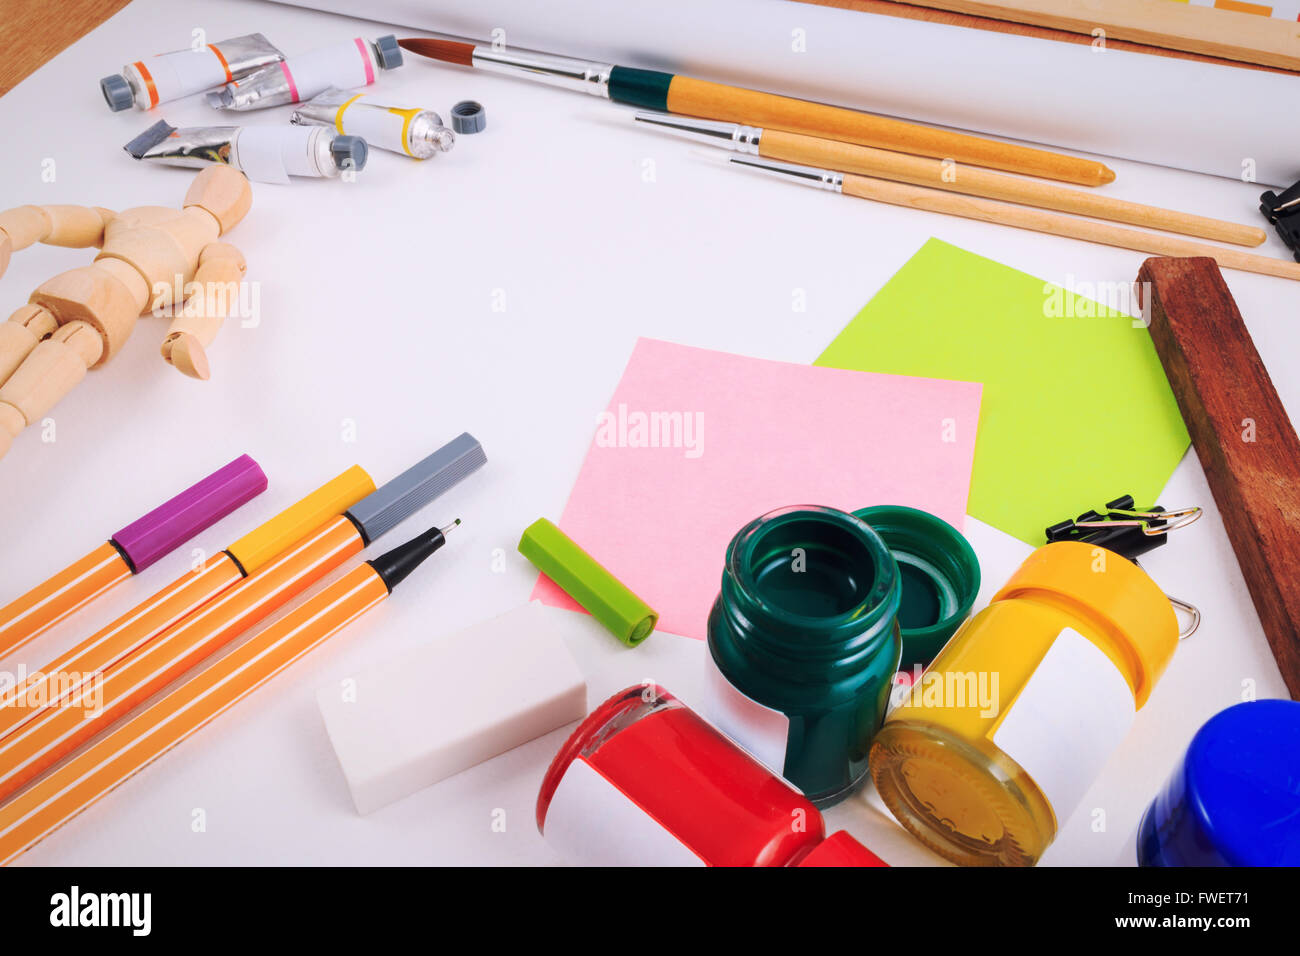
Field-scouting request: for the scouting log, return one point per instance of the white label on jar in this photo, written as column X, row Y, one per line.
column 591, row 822
column 1071, row 715
column 759, row 729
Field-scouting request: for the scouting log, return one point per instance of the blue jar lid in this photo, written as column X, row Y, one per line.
column 1235, row 798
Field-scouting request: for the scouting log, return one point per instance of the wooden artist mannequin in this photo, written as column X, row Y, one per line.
column 80, row 318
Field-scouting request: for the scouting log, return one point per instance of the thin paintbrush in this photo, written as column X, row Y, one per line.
column 952, row 177
column 667, row 92
column 1054, row 224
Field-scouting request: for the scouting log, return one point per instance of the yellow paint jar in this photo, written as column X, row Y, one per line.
column 998, row 741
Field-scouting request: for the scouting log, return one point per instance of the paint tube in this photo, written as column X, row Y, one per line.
column 351, row 63
column 265, row 154
column 168, row 76
column 417, row 133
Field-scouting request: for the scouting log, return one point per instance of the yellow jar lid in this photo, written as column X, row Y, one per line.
column 1132, row 619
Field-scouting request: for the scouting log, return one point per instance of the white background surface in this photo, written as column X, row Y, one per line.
column 1083, row 96
column 376, row 308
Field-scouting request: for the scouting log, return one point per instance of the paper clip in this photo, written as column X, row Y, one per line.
column 1283, row 211
column 1124, row 529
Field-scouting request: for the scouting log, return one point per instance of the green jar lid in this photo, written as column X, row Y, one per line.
column 940, row 573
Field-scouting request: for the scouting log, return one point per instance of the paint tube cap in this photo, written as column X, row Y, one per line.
column 382, row 510
column 297, row 521
column 117, row 92
column 585, row 580
column 389, row 53
column 468, row 116
column 939, row 572
column 349, row 152
column 1232, row 800
column 195, row 509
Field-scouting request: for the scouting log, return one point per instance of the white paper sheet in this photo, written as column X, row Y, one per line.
column 1209, row 118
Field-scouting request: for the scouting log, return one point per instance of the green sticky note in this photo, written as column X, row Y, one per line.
column 1076, row 409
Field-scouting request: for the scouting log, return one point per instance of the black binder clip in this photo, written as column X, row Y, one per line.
column 1283, row 211
column 1122, row 529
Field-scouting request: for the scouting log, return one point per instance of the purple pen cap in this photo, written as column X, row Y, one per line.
column 199, row 506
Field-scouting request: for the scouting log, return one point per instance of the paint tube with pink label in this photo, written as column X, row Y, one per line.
column 265, row 154
column 355, row 62
column 169, row 76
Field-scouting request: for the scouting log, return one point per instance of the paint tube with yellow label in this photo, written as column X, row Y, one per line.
column 417, row 133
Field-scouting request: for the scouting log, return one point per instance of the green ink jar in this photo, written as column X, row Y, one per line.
column 803, row 644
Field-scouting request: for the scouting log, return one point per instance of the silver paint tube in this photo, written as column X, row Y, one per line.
column 169, row 76
column 265, row 154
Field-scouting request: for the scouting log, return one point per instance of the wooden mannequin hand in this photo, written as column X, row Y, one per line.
column 215, row 294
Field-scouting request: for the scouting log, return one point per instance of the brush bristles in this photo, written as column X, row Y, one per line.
column 448, row 51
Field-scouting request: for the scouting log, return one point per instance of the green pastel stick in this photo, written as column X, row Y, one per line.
column 588, row 582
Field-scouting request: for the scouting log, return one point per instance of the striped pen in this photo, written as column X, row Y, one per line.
column 117, row 757
column 57, row 731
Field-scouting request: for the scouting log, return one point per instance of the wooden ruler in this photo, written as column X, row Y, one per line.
column 1010, row 22
column 1241, row 433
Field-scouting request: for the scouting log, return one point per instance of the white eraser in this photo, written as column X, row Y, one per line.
column 441, row 709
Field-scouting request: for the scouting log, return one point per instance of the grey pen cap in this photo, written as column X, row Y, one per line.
column 391, row 504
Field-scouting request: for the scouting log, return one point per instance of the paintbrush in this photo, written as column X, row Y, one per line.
column 952, row 177
column 1036, row 220
column 671, row 93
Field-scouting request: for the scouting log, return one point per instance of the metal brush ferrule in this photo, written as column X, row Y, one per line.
column 828, row 179
column 746, row 139
column 733, row 136
column 562, row 71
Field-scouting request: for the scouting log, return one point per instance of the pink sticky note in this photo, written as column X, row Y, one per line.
column 697, row 443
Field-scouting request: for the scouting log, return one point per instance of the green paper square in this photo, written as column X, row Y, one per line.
column 1076, row 408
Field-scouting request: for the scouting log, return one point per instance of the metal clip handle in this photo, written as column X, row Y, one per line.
column 1174, row 519
column 1193, row 613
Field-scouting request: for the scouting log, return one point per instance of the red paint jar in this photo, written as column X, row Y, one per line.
column 645, row 781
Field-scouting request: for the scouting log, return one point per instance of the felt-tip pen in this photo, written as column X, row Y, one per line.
column 57, row 731
column 99, row 653
column 117, row 757
column 129, row 551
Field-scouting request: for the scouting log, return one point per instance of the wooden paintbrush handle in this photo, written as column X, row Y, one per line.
column 1241, row 433
column 691, row 97
column 958, row 178
column 1054, row 224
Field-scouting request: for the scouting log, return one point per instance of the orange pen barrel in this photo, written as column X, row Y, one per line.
column 131, row 550
column 56, row 731
column 69, row 676
column 132, row 747
column 75, row 586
